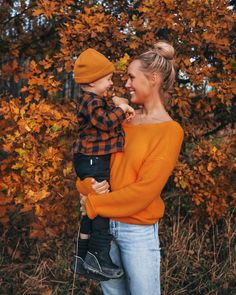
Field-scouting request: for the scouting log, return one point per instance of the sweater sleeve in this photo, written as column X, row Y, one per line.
column 85, row 186
column 133, row 198
column 103, row 118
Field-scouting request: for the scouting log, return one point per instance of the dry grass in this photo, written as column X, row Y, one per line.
column 196, row 259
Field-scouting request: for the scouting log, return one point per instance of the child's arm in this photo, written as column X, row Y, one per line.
column 102, row 117
column 118, row 100
column 105, row 119
column 124, row 104
column 129, row 111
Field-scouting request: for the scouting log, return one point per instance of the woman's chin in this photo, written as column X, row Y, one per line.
column 135, row 100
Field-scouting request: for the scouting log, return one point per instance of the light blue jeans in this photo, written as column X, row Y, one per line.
column 136, row 249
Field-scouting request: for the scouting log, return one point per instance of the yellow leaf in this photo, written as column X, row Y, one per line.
column 183, row 184
column 122, row 62
column 27, row 127
column 21, row 152
column 22, row 172
column 17, row 166
column 37, row 196
column 214, row 149
column 30, row 168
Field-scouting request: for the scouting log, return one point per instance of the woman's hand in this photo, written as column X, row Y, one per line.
column 100, row 187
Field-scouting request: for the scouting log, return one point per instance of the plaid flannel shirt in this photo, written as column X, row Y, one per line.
column 99, row 126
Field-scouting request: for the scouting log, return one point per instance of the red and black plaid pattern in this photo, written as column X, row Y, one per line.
column 99, row 122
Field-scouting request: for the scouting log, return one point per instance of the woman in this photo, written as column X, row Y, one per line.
column 138, row 175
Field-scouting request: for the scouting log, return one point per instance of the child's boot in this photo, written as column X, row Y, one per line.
column 76, row 266
column 97, row 259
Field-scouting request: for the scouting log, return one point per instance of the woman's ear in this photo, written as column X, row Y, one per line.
column 156, row 78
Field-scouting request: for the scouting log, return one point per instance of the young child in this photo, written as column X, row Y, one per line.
column 99, row 135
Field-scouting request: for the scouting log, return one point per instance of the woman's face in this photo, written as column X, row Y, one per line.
column 138, row 85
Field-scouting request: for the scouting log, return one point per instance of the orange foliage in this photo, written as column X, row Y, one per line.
column 38, row 121
column 207, row 176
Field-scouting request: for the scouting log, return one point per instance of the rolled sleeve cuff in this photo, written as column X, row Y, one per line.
column 90, row 209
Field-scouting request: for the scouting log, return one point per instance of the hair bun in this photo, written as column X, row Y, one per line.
column 165, row 50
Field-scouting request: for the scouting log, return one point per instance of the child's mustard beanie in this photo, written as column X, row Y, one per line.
column 91, row 65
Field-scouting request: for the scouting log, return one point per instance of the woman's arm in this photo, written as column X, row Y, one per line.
column 90, row 185
column 147, row 186
column 135, row 197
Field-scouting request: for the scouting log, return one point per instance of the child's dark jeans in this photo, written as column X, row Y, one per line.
column 97, row 167
column 97, row 263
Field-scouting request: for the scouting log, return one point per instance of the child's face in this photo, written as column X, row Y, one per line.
column 102, row 85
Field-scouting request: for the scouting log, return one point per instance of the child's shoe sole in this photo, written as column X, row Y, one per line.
column 92, row 265
column 78, row 268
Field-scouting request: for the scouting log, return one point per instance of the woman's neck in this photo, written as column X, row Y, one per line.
column 153, row 107
column 153, row 111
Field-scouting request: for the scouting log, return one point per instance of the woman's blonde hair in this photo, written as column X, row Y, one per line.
column 159, row 59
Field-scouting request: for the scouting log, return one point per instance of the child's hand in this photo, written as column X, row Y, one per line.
column 129, row 111
column 129, row 116
column 119, row 100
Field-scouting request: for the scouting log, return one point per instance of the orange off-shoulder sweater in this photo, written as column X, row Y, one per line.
column 138, row 174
